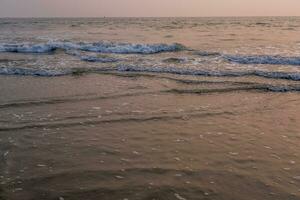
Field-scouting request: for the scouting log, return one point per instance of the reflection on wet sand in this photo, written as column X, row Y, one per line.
column 148, row 136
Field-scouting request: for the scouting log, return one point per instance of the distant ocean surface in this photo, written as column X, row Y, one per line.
column 150, row 108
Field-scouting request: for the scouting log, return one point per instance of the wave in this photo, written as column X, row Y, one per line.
column 295, row 76
column 98, row 59
column 27, row 48
column 251, row 87
column 101, row 47
column 263, row 59
column 183, row 71
column 31, row 72
column 207, row 53
column 131, row 48
column 253, row 59
column 90, row 58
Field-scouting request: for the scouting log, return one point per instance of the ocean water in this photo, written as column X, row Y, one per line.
column 150, row 108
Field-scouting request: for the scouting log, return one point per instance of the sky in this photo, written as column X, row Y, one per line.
column 148, row 8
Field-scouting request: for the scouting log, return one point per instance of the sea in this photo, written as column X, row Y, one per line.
column 150, row 108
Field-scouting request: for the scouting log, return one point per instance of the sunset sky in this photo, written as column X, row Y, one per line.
column 147, row 8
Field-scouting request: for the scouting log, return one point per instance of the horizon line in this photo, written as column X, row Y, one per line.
column 215, row 16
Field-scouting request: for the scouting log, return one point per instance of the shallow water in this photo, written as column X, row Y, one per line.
column 153, row 108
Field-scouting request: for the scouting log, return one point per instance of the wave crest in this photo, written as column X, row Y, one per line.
column 294, row 76
column 184, row 71
column 26, row 48
column 262, row 59
column 31, row 72
column 101, row 47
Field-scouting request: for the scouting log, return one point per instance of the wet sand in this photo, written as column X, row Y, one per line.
column 147, row 136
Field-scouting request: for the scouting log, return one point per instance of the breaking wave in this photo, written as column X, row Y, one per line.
column 130, row 48
column 295, row 76
column 26, row 48
column 98, row 59
column 174, row 70
column 263, row 59
column 32, row 72
column 101, row 47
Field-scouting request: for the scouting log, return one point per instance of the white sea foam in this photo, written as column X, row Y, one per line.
column 92, row 58
column 295, row 76
column 101, row 47
column 262, row 59
column 207, row 53
column 184, row 71
column 32, row 72
column 26, row 48
column 98, row 59
column 129, row 48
